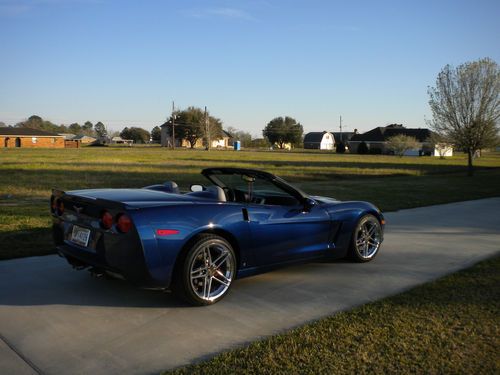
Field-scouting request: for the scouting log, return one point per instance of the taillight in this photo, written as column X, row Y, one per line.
column 123, row 223
column 106, row 220
column 59, row 207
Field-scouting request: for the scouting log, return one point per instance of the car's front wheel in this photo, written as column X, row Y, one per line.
column 207, row 270
column 366, row 239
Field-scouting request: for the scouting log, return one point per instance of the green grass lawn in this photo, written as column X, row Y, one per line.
column 27, row 176
column 450, row 326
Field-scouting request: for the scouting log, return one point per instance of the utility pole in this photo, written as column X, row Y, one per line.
column 173, row 125
column 207, row 129
column 341, row 138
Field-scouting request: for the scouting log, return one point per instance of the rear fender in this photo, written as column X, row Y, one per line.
column 166, row 231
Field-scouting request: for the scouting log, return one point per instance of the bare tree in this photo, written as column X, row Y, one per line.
column 466, row 106
column 401, row 143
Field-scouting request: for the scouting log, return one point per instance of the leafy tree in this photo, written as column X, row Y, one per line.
column 239, row 135
column 281, row 131
column 100, row 130
column 88, row 129
column 36, row 122
column 138, row 135
column 465, row 105
column 401, row 143
column 75, row 128
column 156, row 134
column 191, row 125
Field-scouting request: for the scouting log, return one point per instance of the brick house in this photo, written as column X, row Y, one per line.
column 29, row 138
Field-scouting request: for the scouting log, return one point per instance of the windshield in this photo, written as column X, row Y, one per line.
column 251, row 188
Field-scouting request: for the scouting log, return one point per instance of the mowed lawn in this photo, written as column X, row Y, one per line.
column 28, row 175
column 449, row 326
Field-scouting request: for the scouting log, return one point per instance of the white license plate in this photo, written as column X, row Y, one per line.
column 80, row 236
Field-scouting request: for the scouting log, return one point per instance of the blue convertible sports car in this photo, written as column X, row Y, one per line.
column 242, row 223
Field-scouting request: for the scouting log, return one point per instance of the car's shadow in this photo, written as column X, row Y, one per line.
column 49, row 280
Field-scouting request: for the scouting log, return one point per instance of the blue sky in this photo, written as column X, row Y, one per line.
column 122, row 62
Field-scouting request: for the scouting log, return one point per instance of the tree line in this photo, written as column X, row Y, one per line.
column 36, row 122
column 191, row 124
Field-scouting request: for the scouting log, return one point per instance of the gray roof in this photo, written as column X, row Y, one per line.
column 381, row 134
column 314, row 137
column 342, row 137
column 27, row 132
column 81, row 136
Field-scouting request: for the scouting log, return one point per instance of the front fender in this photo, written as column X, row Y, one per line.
column 347, row 215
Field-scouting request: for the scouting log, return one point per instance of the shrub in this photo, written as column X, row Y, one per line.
column 340, row 148
column 362, row 148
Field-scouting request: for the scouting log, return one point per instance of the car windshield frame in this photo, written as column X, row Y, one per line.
column 212, row 175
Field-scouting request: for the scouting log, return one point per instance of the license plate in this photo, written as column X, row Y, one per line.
column 80, row 235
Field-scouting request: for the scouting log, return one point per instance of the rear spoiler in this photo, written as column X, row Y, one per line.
column 82, row 198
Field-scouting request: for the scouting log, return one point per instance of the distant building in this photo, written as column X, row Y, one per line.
column 375, row 141
column 84, row 139
column 120, row 141
column 67, row 136
column 443, row 149
column 343, row 137
column 319, row 141
column 225, row 141
column 69, row 141
column 166, row 136
column 29, row 138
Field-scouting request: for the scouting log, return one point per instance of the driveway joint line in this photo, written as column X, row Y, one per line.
column 21, row 355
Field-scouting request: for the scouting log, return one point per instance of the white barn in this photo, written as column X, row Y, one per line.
column 319, row 141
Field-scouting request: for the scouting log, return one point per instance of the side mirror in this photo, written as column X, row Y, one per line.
column 196, row 187
column 309, row 203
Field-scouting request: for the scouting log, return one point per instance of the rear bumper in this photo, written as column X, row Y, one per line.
column 110, row 253
column 79, row 258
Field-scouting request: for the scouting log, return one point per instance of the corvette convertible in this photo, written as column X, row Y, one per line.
column 242, row 222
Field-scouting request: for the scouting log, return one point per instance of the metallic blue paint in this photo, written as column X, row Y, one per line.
column 263, row 236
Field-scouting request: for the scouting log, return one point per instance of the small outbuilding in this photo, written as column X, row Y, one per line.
column 120, row 141
column 319, row 141
column 11, row 137
column 84, row 139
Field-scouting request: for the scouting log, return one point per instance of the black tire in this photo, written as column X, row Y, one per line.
column 205, row 273
column 366, row 239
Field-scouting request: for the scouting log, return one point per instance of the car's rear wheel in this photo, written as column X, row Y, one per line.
column 366, row 239
column 207, row 271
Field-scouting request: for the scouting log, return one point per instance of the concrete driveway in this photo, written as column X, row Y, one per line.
column 55, row 320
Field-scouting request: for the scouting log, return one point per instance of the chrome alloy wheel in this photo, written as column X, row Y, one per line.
column 212, row 270
column 368, row 237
